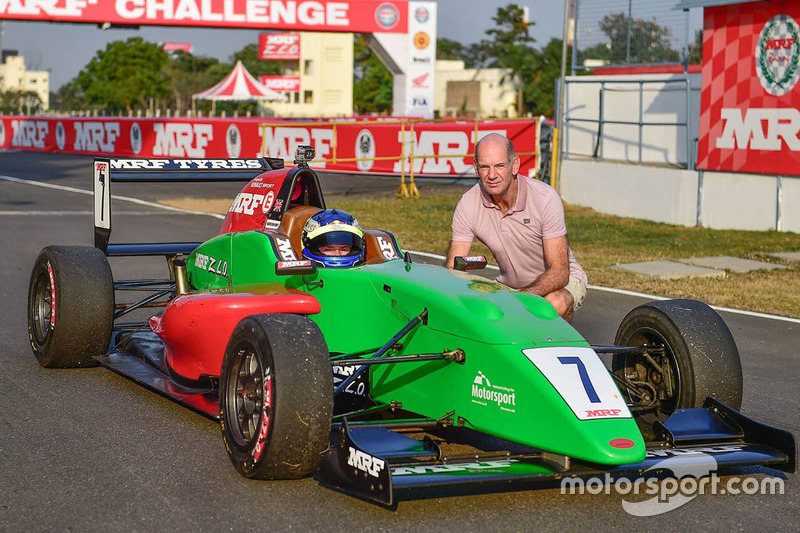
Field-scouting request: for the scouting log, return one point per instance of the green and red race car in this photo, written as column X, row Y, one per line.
column 388, row 375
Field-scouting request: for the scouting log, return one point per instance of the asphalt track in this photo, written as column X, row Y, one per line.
column 86, row 450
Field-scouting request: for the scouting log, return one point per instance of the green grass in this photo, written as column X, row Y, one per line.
column 601, row 241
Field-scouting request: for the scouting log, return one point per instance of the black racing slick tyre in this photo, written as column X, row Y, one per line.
column 276, row 397
column 70, row 306
column 699, row 359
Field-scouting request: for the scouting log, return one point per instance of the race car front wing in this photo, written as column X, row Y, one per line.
column 375, row 462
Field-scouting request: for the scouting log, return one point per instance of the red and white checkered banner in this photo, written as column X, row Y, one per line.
column 386, row 147
column 750, row 101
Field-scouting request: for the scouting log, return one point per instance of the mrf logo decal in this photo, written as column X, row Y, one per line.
column 387, row 248
column 284, row 249
column 95, row 136
column 778, row 55
column 365, row 462
column 247, row 203
column 211, row 264
column 485, row 393
column 603, row 413
column 29, row 133
column 181, row 140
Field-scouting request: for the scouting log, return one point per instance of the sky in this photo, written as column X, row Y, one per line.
column 64, row 49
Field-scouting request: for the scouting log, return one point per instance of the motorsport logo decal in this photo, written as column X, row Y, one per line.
column 233, row 141
column 365, row 149
column 136, row 138
column 421, row 82
column 61, row 135
column 484, row 393
column 778, row 54
column 387, row 15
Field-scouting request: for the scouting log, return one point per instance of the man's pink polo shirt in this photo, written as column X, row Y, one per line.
column 515, row 238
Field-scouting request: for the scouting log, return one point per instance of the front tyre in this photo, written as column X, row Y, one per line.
column 70, row 306
column 276, row 397
column 698, row 358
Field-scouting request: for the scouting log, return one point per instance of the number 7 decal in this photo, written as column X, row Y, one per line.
column 587, row 383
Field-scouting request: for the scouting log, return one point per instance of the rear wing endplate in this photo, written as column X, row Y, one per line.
column 106, row 171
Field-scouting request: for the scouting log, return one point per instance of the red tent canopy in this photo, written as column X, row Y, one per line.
column 238, row 85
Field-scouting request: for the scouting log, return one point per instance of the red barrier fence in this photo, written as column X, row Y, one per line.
column 377, row 146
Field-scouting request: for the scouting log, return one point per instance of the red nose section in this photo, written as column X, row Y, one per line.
column 195, row 328
column 251, row 207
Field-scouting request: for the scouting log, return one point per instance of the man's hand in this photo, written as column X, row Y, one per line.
column 551, row 283
column 457, row 248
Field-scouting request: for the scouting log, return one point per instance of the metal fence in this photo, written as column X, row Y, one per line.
column 633, row 32
column 662, row 124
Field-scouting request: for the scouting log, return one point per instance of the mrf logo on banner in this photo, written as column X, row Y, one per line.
column 750, row 101
column 272, row 46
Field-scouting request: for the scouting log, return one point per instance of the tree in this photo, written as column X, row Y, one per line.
column 126, row 75
column 372, row 81
column 189, row 74
column 258, row 67
column 509, row 36
column 649, row 42
column 68, row 97
column 449, row 49
column 695, row 51
column 539, row 92
column 510, row 48
column 16, row 101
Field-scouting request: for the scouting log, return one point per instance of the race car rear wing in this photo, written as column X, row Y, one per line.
column 107, row 171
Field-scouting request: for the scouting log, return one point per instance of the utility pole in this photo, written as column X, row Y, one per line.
column 561, row 97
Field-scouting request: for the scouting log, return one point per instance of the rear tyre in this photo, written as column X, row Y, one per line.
column 70, row 306
column 700, row 359
column 276, row 397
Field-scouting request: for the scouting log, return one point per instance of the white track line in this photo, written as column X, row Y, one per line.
column 423, row 254
column 114, row 196
column 86, row 213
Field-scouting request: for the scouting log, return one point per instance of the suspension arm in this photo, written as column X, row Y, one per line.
column 385, row 348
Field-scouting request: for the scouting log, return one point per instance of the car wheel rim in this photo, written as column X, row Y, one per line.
column 43, row 305
column 249, row 401
column 667, row 385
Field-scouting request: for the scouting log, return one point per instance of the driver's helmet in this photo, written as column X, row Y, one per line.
column 334, row 239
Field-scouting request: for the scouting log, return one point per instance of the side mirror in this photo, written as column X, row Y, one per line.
column 291, row 268
column 469, row 262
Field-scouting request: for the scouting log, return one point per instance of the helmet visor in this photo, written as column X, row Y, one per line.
column 336, row 243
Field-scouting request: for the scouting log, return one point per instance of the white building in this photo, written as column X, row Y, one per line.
column 325, row 70
column 13, row 75
column 483, row 93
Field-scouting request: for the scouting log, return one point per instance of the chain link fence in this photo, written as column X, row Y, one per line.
column 619, row 33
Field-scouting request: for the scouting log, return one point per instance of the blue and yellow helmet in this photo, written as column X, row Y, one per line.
column 330, row 229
